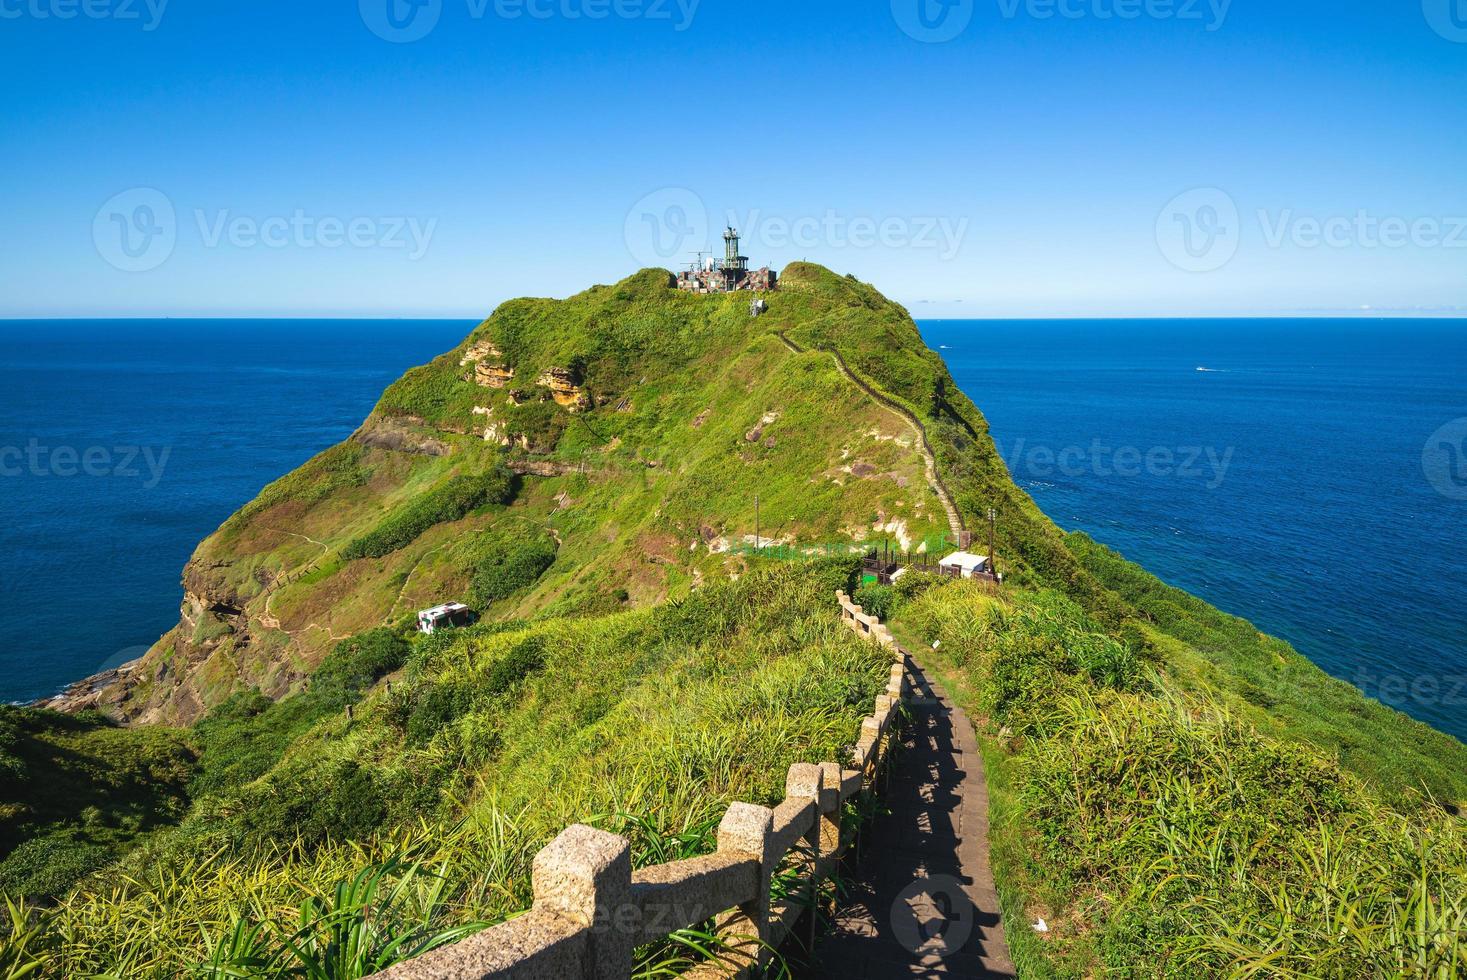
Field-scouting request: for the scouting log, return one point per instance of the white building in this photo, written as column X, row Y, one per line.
column 965, row 564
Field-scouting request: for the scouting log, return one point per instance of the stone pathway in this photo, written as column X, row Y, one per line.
column 919, row 898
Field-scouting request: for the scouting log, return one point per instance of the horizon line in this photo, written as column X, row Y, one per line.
column 1037, row 317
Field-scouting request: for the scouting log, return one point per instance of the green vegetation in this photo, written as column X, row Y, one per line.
column 452, row 501
column 1282, row 692
column 1174, row 792
column 492, row 740
column 508, row 562
column 247, row 734
column 1158, row 832
column 75, row 791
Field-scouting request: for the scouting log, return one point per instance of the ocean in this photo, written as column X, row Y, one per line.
column 1305, row 474
column 124, row 443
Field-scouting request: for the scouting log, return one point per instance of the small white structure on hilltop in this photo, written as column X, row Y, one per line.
column 966, row 565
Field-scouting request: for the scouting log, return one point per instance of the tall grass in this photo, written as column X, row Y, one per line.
column 1163, row 834
column 646, row 723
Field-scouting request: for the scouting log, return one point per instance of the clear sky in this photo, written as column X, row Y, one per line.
column 969, row 157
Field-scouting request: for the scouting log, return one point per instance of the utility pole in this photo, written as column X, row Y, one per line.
column 992, row 555
column 758, row 541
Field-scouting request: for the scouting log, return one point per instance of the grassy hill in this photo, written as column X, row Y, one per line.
column 584, row 471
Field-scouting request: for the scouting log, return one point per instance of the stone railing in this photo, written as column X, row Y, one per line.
column 591, row 910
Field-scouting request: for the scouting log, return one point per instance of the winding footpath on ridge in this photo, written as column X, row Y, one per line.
column 919, row 899
column 929, row 458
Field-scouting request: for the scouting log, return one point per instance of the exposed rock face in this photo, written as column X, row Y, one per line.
column 757, row 432
column 492, row 375
column 490, row 371
column 563, row 388
column 495, row 431
column 401, row 435
column 92, row 693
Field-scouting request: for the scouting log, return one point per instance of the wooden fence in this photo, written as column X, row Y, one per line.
column 591, row 910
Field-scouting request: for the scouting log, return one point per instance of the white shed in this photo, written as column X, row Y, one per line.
column 967, row 565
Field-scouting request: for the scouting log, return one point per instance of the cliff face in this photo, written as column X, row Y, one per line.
column 625, row 412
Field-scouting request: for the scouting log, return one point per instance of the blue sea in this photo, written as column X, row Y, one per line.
column 135, row 440
column 1299, row 473
column 1305, row 474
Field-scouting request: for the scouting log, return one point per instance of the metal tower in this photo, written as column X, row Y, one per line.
column 733, row 261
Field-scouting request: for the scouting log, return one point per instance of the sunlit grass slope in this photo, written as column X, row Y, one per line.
column 491, row 741
column 1156, row 831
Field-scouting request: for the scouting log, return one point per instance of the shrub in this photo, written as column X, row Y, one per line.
column 434, row 707
column 877, row 600
column 315, row 802
column 450, row 501
column 247, row 734
column 505, row 566
column 47, row 866
column 525, row 658
column 355, row 665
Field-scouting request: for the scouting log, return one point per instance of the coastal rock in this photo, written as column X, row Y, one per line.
column 563, row 387
column 401, row 436
column 757, row 432
column 490, row 371
column 495, row 431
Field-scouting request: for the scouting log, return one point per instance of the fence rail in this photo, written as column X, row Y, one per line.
column 591, row 910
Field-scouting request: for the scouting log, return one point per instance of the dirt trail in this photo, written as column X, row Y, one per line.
column 929, row 458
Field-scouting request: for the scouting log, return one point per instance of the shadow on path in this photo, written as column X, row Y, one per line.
column 920, row 900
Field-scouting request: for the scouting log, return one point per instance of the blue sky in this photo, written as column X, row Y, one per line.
column 1049, row 158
